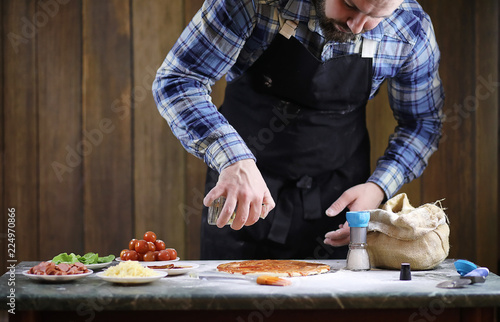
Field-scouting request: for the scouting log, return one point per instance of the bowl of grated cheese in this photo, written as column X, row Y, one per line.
column 130, row 272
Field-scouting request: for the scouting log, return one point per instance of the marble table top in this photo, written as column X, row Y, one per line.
column 207, row 289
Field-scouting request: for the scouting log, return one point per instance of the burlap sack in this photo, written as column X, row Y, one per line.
column 399, row 233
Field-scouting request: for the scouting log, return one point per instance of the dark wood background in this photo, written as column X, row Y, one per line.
column 88, row 163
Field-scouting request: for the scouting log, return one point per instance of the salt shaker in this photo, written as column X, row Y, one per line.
column 357, row 257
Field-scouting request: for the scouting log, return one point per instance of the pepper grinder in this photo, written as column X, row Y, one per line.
column 357, row 257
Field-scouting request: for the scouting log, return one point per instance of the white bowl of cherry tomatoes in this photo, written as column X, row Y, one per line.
column 148, row 249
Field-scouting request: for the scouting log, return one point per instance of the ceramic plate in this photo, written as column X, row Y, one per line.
column 178, row 269
column 99, row 265
column 157, row 263
column 132, row 280
column 56, row 278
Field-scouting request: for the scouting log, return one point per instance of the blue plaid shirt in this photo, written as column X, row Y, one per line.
column 226, row 36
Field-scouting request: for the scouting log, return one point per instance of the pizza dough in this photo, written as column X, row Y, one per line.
column 274, row 267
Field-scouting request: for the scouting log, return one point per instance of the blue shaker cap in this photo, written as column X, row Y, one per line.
column 358, row 218
column 464, row 266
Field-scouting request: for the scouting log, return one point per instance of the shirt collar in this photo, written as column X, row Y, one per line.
column 296, row 10
column 303, row 10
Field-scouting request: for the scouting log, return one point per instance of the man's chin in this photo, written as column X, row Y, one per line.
column 334, row 32
column 339, row 36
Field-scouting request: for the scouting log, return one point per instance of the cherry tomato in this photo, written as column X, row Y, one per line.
column 131, row 244
column 149, row 256
column 125, row 256
column 141, row 246
column 160, row 244
column 163, row 255
column 151, row 246
column 150, row 236
column 133, row 255
column 172, row 252
column 123, row 253
column 140, row 256
column 129, row 255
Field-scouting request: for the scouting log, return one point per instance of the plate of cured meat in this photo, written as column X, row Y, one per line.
column 50, row 272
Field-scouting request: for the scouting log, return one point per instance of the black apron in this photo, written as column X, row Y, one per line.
column 304, row 120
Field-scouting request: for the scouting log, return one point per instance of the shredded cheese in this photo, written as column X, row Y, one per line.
column 129, row 269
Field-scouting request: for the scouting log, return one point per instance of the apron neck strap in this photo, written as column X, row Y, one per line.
column 288, row 28
column 369, row 48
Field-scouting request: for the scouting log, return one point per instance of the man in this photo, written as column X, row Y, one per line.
column 290, row 139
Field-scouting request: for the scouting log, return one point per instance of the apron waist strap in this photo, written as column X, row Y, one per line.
column 308, row 195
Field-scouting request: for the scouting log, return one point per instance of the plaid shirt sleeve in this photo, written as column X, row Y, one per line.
column 416, row 96
column 204, row 52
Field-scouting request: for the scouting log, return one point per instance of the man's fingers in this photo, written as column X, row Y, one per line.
column 260, row 209
column 254, row 213
column 337, row 243
column 226, row 212
column 211, row 196
column 338, row 234
column 268, row 204
column 339, row 205
column 339, row 237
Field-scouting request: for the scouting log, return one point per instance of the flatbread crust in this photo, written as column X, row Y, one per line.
column 274, row 267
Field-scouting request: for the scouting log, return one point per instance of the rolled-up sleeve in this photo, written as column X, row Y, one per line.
column 416, row 97
column 204, row 52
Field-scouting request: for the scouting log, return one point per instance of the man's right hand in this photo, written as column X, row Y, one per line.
column 242, row 184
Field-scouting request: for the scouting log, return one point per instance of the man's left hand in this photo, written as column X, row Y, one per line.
column 361, row 197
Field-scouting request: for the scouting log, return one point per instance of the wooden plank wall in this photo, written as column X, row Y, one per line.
column 88, row 162
column 3, row 207
column 467, row 166
column 159, row 162
column 59, row 89
column 487, row 125
column 20, row 128
column 464, row 171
